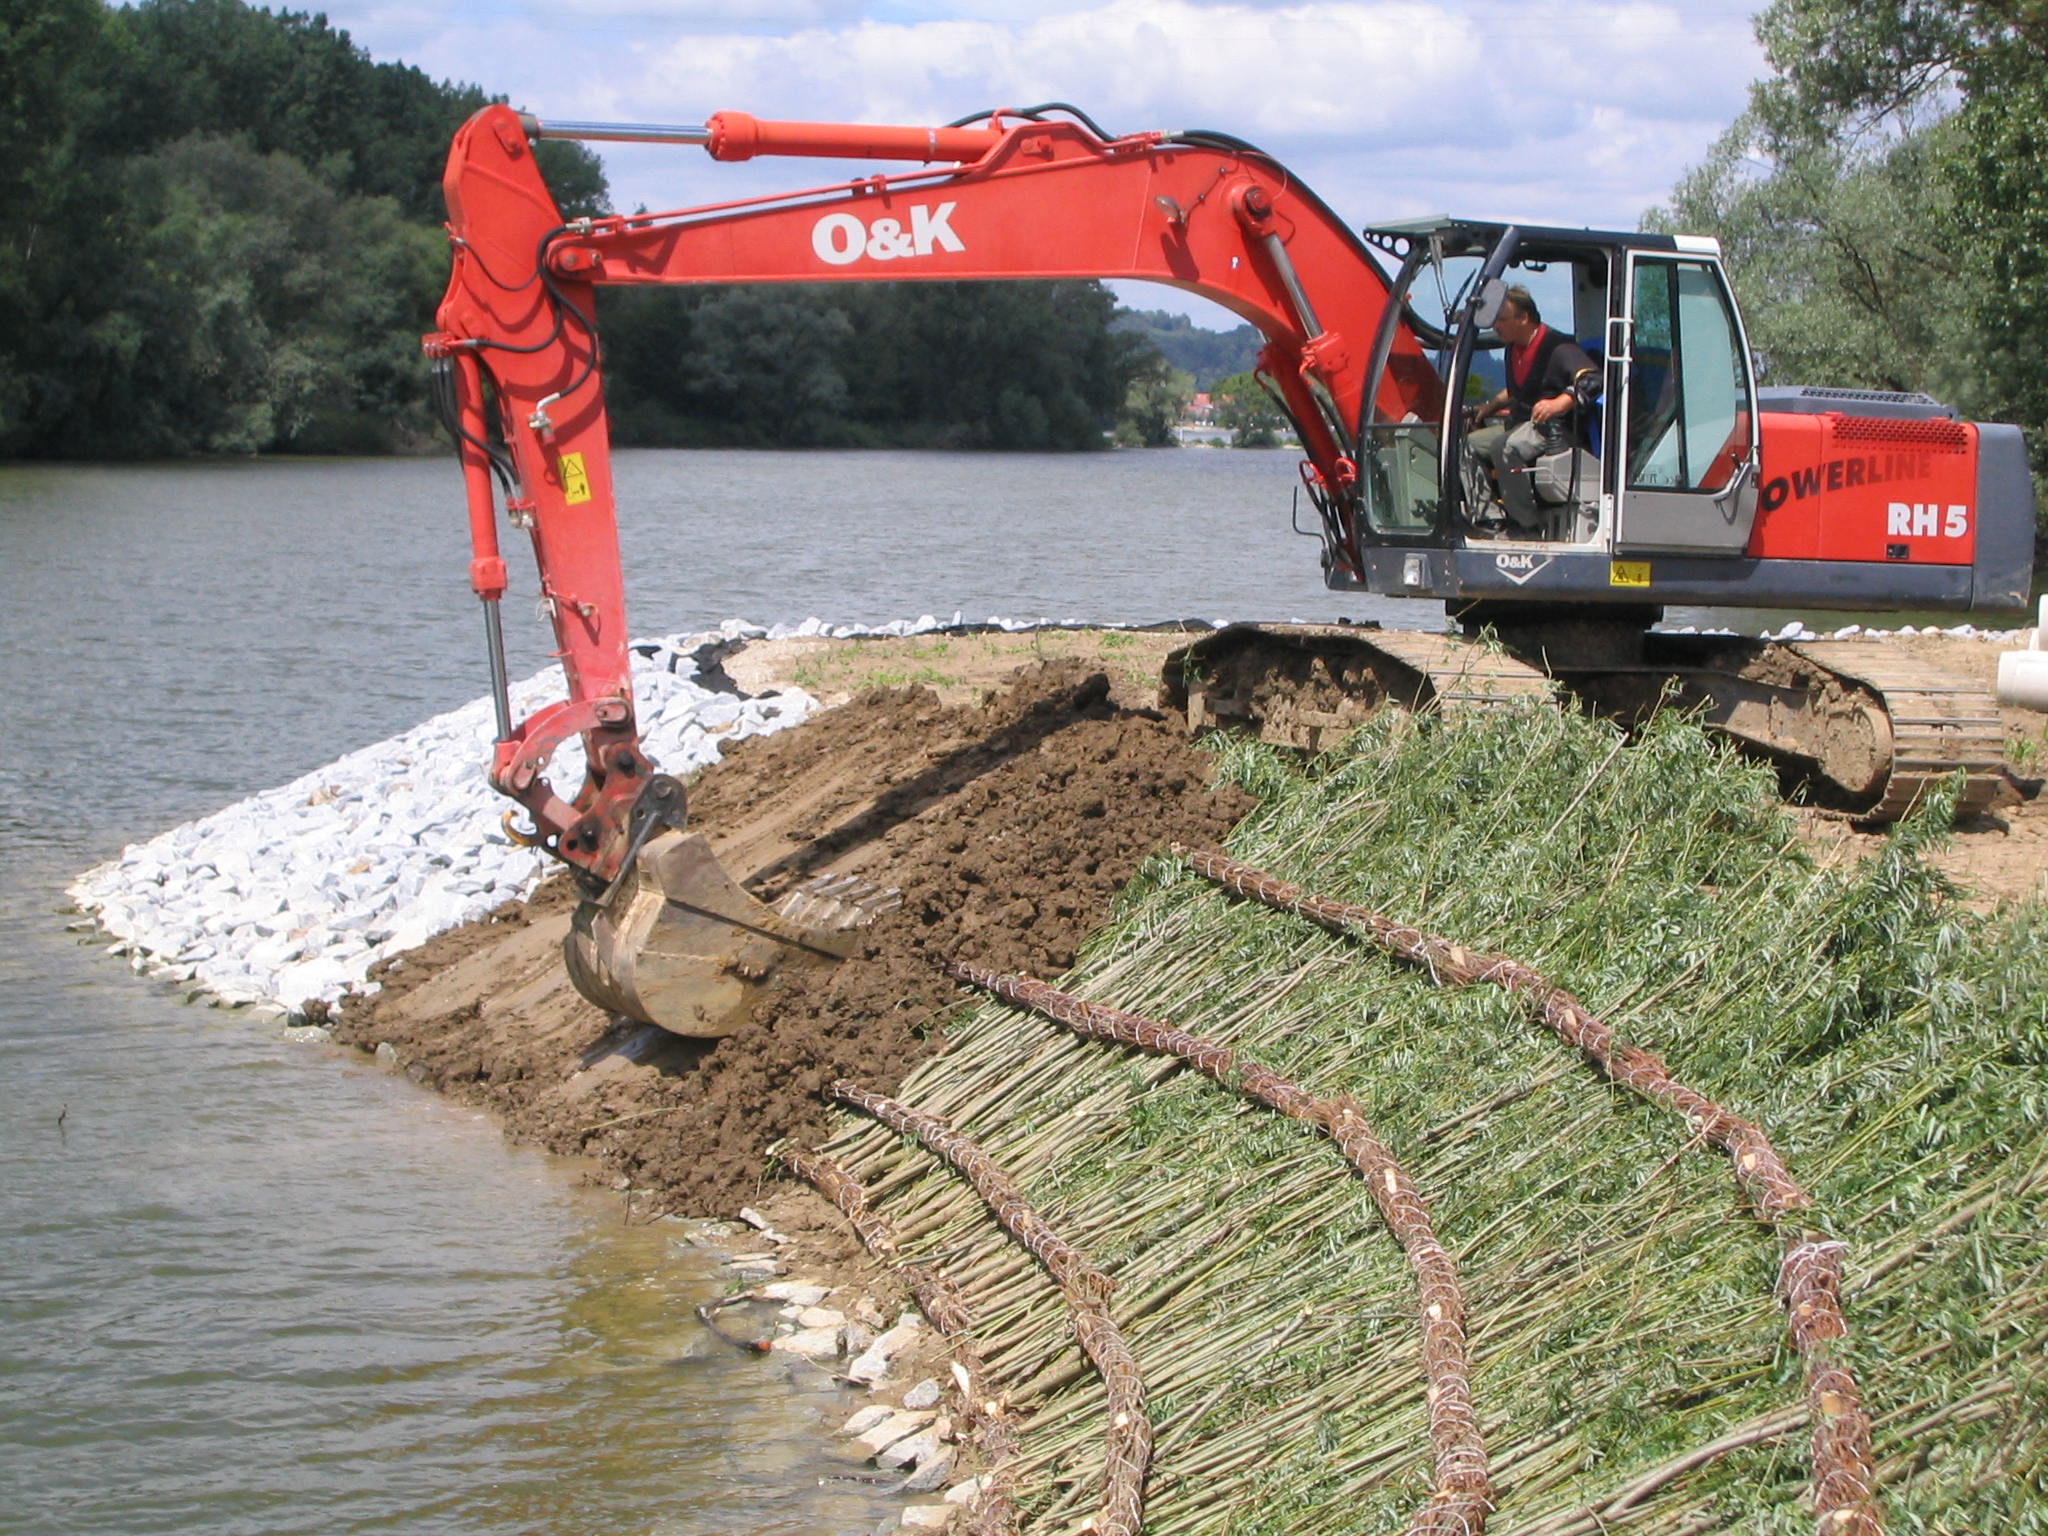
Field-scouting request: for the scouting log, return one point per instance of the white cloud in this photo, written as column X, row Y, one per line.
column 1609, row 102
column 1554, row 112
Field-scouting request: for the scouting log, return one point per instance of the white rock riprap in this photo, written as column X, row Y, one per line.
column 292, row 895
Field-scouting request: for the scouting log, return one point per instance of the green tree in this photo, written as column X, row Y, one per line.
column 1852, row 66
column 1248, row 411
column 1153, row 401
column 288, row 82
column 219, row 230
column 1208, row 355
column 1883, row 199
column 991, row 365
column 2001, row 198
column 219, row 233
column 1844, row 263
column 753, row 366
column 54, row 57
column 957, row 365
column 52, row 53
column 231, row 329
column 1859, row 70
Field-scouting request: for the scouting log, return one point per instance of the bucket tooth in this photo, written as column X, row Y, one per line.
column 683, row 946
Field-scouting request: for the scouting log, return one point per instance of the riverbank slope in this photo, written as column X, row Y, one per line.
column 1888, row 1030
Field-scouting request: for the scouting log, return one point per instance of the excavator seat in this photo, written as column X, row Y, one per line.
column 1567, row 482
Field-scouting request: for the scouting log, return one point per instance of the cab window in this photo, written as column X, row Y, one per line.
column 1689, row 402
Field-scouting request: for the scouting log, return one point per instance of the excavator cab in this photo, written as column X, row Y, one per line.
column 1663, row 464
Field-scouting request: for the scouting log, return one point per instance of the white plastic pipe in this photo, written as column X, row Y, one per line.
column 2023, row 675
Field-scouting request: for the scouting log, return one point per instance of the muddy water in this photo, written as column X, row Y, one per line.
column 250, row 1285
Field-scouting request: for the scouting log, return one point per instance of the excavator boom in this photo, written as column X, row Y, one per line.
column 519, row 375
column 517, row 347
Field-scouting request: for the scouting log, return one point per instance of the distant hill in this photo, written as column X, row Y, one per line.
column 1208, row 355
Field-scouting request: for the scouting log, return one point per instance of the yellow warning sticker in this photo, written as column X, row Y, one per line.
column 576, row 484
column 1628, row 573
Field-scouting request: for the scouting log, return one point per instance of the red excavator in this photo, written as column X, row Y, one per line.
column 1677, row 480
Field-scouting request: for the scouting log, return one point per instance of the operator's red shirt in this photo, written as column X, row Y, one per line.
column 1520, row 357
column 1549, row 364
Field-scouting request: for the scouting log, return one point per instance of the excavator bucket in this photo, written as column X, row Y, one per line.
column 678, row 943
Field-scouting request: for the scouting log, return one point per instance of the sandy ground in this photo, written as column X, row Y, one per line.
column 1009, row 784
column 2003, row 854
column 958, row 668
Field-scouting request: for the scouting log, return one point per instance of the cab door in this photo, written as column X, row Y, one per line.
column 1686, row 421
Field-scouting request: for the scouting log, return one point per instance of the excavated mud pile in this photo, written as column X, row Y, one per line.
column 1009, row 827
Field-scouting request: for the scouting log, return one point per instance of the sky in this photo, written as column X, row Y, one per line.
column 1579, row 113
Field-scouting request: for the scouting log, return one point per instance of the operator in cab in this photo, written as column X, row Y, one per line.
column 1551, row 386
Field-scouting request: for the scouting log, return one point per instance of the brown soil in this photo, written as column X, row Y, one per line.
column 1009, row 826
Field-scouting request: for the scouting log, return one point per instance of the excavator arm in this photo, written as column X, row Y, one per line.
column 519, row 376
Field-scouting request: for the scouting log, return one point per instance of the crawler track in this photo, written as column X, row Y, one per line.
column 1305, row 685
column 1939, row 724
column 1869, row 728
column 1866, row 728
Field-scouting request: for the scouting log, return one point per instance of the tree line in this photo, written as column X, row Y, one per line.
column 220, row 233
column 927, row 365
column 1205, row 356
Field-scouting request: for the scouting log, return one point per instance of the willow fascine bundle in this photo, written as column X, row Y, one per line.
column 995, row 1511
column 1086, row 1288
column 1463, row 1496
column 1810, row 1275
column 844, row 1191
column 1062, row 1260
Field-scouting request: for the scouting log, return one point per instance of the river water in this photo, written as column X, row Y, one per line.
column 249, row 1284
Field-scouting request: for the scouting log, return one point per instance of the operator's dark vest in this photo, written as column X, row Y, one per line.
column 1522, row 397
